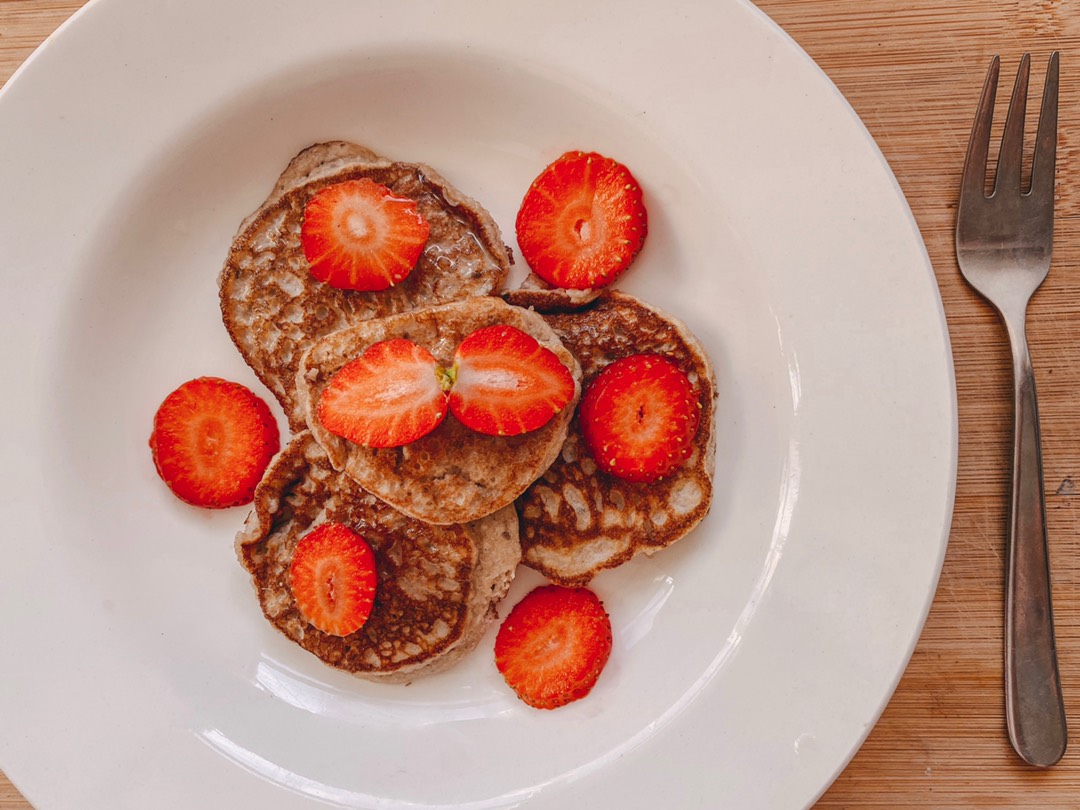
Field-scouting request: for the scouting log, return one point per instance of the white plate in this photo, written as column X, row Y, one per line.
column 750, row 660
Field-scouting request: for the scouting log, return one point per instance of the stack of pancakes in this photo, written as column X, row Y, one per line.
column 450, row 516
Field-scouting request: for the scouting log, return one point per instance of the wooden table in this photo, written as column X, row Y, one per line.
column 913, row 70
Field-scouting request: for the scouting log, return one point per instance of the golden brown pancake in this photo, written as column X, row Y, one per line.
column 454, row 474
column 577, row 520
column 437, row 585
column 274, row 309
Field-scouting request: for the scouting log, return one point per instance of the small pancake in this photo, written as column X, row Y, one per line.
column 544, row 297
column 273, row 308
column 437, row 585
column 454, row 474
column 577, row 520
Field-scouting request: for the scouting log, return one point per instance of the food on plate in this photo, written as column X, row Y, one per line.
column 639, row 416
column 553, row 645
column 438, row 438
column 437, row 585
column 535, row 292
column 502, row 383
column 211, row 441
column 332, row 578
column 453, row 474
column 274, row 308
column 582, row 221
column 577, row 519
column 359, row 235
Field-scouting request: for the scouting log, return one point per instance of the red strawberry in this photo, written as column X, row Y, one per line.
column 505, row 383
column 582, row 221
column 553, row 645
column 390, row 395
column 357, row 235
column 333, row 579
column 211, row 442
column 639, row 417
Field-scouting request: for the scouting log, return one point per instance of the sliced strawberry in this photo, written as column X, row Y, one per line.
column 553, row 645
column 211, row 442
column 390, row 395
column 639, row 417
column 357, row 235
column 506, row 383
column 582, row 221
column 333, row 579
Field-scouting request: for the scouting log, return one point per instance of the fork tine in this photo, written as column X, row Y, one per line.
column 973, row 181
column 1042, row 167
column 1011, row 158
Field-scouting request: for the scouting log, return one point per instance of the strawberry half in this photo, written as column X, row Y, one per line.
column 390, row 395
column 582, row 221
column 357, row 235
column 553, row 646
column 506, row 383
column 211, row 442
column 639, row 417
column 333, row 579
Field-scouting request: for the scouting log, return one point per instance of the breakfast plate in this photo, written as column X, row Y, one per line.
column 750, row 659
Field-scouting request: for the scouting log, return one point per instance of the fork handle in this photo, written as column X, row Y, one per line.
column 1035, row 712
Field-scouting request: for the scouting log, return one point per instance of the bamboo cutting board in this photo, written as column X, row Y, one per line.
column 913, row 71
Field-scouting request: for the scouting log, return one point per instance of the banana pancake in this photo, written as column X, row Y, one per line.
column 545, row 297
column 453, row 474
column 577, row 520
column 274, row 309
column 437, row 585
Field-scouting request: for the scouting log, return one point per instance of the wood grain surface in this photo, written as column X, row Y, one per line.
column 913, row 70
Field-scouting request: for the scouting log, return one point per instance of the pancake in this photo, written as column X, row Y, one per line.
column 437, row 585
column 544, row 297
column 274, row 309
column 577, row 520
column 454, row 474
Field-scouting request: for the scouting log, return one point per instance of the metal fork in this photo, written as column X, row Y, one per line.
column 1003, row 245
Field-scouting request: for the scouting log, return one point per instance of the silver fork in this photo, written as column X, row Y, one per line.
column 1003, row 245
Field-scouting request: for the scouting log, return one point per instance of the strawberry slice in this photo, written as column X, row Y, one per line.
column 390, row 395
column 333, row 579
column 357, row 235
column 553, row 646
column 211, row 442
column 505, row 383
column 639, row 417
column 582, row 221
